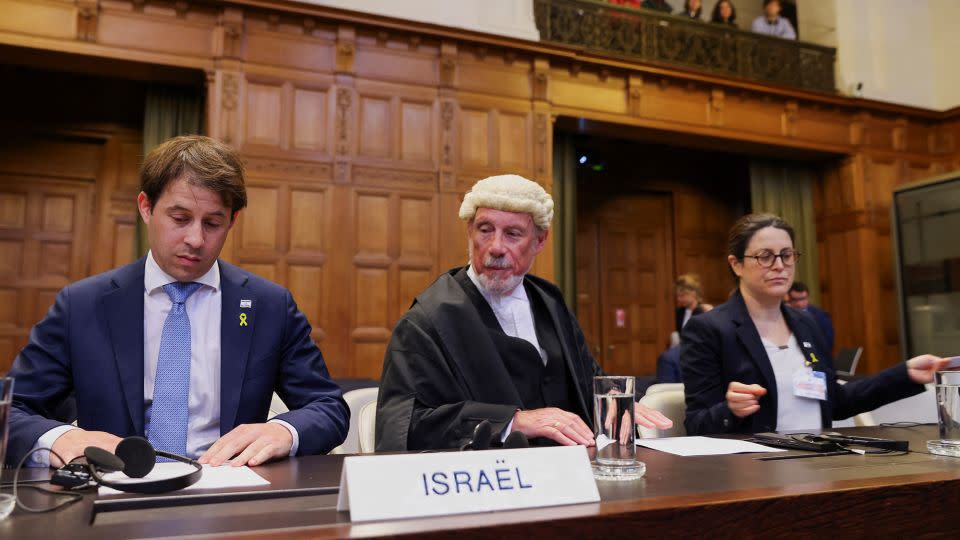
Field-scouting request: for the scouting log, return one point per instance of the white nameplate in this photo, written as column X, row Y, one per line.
column 417, row 485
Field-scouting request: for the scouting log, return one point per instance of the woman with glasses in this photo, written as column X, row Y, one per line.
column 753, row 364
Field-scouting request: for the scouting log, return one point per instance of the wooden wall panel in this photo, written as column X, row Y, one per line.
column 513, row 134
column 269, row 48
column 375, row 133
column 310, row 120
column 492, row 74
column 192, row 36
column 395, row 250
column 681, row 104
column 264, row 270
column 39, row 18
column 308, row 221
column 258, row 223
column 417, row 66
column 700, row 227
column 475, row 138
column 360, row 139
column 264, row 115
column 50, row 218
column 588, row 91
column 823, row 124
column 743, row 114
column 306, row 284
column 416, row 133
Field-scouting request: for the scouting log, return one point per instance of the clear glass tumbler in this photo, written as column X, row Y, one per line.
column 614, row 429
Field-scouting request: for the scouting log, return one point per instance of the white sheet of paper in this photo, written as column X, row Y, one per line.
column 704, row 446
column 213, row 477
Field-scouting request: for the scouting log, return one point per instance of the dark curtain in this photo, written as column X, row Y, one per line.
column 565, row 216
column 169, row 111
column 786, row 189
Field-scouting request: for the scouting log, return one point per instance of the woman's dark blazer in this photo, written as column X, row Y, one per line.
column 723, row 345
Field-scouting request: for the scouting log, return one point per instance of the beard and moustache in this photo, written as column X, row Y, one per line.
column 500, row 286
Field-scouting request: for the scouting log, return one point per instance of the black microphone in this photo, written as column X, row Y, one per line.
column 481, row 437
column 102, row 459
column 516, row 440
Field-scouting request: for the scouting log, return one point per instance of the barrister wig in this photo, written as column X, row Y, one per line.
column 509, row 193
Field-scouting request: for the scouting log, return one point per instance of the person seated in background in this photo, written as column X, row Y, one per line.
column 692, row 9
column 489, row 341
column 658, row 5
column 754, row 365
column 799, row 298
column 668, row 363
column 689, row 299
column 771, row 23
column 724, row 12
column 178, row 347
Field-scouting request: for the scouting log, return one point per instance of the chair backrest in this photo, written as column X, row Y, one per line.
column 845, row 363
column 367, row 427
column 672, row 403
column 356, row 401
column 664, row 387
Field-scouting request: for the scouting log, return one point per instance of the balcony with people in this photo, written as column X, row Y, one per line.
column 764, row 50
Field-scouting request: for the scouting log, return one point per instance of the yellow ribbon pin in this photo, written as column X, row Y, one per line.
column 243, row 319
column 813, row 359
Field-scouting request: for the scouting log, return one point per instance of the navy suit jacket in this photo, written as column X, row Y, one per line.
column 723, row 345
column 89, row 349
column 668, row 366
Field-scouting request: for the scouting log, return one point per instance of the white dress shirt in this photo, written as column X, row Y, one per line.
column 687, row 313
column 203, row 406
column 513, row 311
column 794, row 413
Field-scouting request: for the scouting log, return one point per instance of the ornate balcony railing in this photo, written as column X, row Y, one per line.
column 651, row 37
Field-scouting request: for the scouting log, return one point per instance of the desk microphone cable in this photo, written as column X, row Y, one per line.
column 70, row 496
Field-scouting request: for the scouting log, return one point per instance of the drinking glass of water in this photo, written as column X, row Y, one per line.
column 6, row 396
column 614, row 429
column 948, row 414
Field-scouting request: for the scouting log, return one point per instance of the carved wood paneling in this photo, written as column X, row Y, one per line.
column 360, row 138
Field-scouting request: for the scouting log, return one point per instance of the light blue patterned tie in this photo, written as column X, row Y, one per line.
column 167, row 428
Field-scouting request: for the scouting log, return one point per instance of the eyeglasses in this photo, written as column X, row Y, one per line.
column 766, row 258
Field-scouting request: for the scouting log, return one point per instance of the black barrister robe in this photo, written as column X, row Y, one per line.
column 443, row 372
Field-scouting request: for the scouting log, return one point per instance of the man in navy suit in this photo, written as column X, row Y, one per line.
column 798, row 297
column 179, row 347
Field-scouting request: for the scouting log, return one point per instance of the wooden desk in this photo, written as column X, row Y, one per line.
column 843, row 496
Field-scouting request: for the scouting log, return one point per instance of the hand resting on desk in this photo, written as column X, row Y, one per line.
column 71, row 444
column 252, row 444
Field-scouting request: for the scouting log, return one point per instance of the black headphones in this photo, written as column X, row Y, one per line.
column 135, row 456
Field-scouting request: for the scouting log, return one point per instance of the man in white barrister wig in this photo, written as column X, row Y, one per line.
column 488, row 341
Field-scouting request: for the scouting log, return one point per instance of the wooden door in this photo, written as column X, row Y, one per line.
column 66, row 211
column 625, row 253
